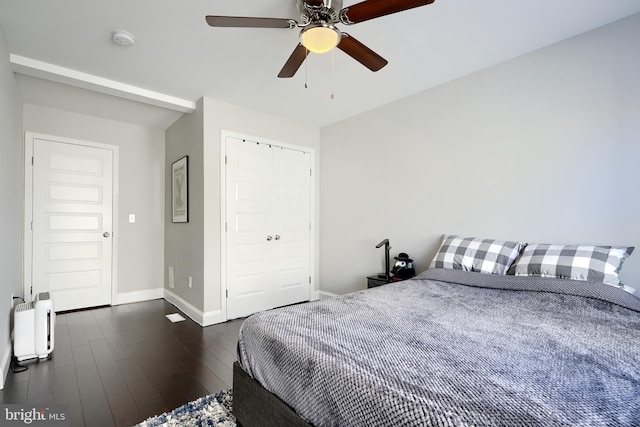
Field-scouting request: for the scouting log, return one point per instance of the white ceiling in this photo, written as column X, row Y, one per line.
column 178, row 54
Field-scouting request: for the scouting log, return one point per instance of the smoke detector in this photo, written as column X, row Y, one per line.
column 123, row 38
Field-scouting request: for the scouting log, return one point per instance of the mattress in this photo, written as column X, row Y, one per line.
column 454, row 348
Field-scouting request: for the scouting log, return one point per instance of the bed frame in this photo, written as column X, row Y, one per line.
column 254, row 405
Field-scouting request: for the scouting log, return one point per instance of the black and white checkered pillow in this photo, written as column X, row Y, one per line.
column 593, row 263
column 478, row 255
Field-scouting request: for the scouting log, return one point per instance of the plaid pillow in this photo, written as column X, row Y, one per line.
column 593, row 263
column 479, row 255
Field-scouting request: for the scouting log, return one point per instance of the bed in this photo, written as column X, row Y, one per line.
column 447, row 348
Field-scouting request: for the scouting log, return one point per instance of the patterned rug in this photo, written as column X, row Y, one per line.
column 212, row 410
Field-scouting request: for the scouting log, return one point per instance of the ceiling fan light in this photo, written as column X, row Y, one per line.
column 320, row 38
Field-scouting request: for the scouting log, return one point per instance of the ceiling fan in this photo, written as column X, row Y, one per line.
column 319, row 33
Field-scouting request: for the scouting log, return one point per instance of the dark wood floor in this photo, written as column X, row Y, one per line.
column 117, row 366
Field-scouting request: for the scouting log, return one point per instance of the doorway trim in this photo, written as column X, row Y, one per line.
column 313, row 295
column 28, row 208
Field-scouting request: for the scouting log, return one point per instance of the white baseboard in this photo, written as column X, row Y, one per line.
column 315, row 295
column 325, row 295
column 198, row 316
column 138, row 296
column 5, row 363
column 212, row 317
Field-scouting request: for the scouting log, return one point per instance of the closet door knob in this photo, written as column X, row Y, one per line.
column 269, row 238
column 277, row 237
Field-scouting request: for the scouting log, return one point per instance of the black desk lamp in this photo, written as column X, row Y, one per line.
column 386, row 275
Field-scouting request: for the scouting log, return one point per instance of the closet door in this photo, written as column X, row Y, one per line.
column 293, row 224
column 267, row 226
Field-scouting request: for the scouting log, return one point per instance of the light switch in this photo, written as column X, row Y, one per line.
column 132, row 218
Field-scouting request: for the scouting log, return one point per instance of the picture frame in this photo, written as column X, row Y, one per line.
column 180, row 190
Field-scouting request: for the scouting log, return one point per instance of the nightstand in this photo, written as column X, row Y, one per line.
column 375, row 280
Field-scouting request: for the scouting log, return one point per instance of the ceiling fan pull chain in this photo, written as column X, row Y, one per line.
column 306, row 67
column 332, row 74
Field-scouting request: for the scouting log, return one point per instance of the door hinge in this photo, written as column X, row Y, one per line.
column 227, row 291
column 310, row 172
column 225, row 159
column 31, row 225
column 309, row 279
column 226, row 226
column 33, row 160
column 31, row 292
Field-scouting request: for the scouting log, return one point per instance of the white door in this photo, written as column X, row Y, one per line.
column 268, row 226
column 72, row 223
column 292, row 212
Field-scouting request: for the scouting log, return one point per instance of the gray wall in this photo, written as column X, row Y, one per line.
column 11, row 182
column 184, row 242
column 542, row 148
column 141, row 189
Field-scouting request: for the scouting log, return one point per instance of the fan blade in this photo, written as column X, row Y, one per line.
column 241, row 21
column 371, row 9
column 361, row 53
column 294, row 62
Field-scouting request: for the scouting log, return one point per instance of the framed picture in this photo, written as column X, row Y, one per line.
column 180, row 190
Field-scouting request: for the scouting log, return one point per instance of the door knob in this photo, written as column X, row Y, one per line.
column 277, row 237
column 269, row 238
column 106, row 234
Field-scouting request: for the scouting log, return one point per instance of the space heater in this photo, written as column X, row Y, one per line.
column 34, row 324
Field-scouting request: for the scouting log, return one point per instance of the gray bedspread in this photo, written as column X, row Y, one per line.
column 453, row 348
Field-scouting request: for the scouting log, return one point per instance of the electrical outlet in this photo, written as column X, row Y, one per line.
column 172, row 283
column 190, row 282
